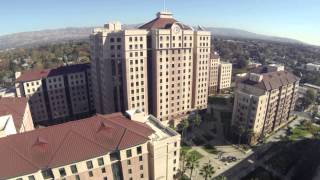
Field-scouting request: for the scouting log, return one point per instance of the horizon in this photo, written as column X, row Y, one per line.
column 283, row 20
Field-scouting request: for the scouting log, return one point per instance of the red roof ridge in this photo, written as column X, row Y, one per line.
column 135, row 132
column 23, row 157
column 124, row 132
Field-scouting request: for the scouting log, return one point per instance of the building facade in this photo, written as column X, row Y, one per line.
column 119, row 68
column 220, row 74
column 161, row 68
column 57, row 95
column 15, row 116
column 113, row 148
column 312, row 67
column 263, row 102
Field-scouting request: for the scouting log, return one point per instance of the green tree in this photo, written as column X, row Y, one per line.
column 195, row 120
column 183, row 155
column 242, row 62
column 192, row 163
column 183, row 126
column 207, row 171
column 309, row 98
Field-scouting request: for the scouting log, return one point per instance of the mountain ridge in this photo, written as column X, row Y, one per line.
column 48, row 36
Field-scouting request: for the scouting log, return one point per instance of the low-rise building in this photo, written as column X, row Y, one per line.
column 219, row 74
column 57, row 95
column 15, row 116
column 112, row 147
column 263, row 102
column 7, row 92
column 312, row 67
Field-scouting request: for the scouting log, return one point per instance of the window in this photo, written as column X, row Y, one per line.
column 47, row 174
column 89, row 165
column 141, row 175
column 100, row 162
column 74, row 169
column 141, row 167
column 62, row 172
column 31, row 177
column 90, row 173
column 140, row 158
column 139, row 150
column 129, row 153
column 103, row 170
column 105, row 178
column 129, row 162
column 130, row 171
column 77, row 177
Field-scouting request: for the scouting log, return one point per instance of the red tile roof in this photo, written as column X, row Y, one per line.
column 273, row 80
column 68, row 143
column 40, row 74
column 162, row 23
column 14, row 106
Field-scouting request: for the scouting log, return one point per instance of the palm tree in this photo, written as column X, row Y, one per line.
column 192, row 163
column 207, row 171
column 183, row 155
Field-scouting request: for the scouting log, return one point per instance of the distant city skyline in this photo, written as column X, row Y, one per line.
column 296, row 19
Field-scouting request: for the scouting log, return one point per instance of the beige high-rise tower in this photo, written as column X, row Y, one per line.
column 161, row 67
column 119, row 68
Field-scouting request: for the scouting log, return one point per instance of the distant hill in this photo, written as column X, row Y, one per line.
column 238, row 33
column 33, row 38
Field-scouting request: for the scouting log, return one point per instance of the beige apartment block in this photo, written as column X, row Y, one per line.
column 58, row 94
column 161, row 68
column 113, row 148
column 15, row 116
column 214, row 73
column 263, row 102
column 225, row 73
column 119, row 68
column 202, row 52
column 220, row 74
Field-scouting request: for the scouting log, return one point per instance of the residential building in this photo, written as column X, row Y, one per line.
column 57, row 95
column 219, row 74
column 312, row 67
column 161, row 68
column 113, row 147
column 312, row 87
column 15, row 116
column 7, row 92
column 263, row 102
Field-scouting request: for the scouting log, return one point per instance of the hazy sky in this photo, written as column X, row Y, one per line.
column 298, row 19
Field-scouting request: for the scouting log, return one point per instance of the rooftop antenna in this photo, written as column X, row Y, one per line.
column 164, row 6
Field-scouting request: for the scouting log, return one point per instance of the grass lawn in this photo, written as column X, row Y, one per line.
column 197, row 154
column 211, row 149
column 185, row 148
column 299, row 133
